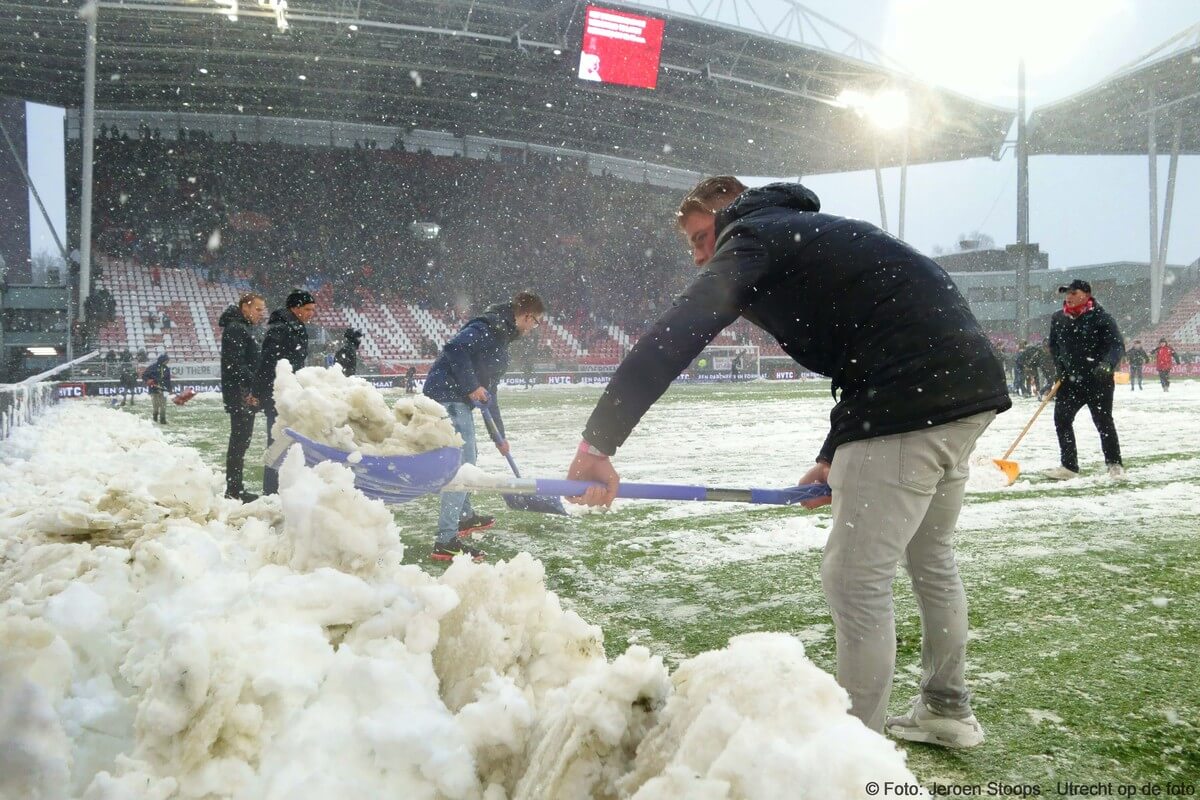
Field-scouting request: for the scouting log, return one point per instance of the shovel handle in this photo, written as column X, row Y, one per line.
column 1049, row 396
column 668, row 491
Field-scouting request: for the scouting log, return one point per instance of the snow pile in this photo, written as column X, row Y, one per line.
column 985, row 475
column 283, row 650
column 350, row 414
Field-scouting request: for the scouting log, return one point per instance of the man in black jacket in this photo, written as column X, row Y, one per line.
column 916, row 383
column 1086, row 347
column 347, row 355
column 286, row 339
column 1137, row 357
column 239, row 365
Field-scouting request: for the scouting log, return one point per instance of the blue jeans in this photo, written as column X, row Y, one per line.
column 457, row 505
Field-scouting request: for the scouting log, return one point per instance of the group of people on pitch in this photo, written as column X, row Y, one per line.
column 248, row 373
column 915, row 381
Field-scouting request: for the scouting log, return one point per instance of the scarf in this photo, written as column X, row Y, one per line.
column 1075, row 312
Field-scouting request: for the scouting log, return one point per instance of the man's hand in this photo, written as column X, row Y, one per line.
column 1102, row 372
column 588, row 467
column 502, row 446
column 480, row 396
column 818, row 474
column 251, row 400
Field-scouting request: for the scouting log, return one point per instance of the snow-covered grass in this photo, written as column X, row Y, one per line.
column 1085, row 596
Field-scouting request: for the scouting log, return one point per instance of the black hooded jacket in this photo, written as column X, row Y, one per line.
column 842, row 298
column 346, row 357
column 239, row 358
column 286, row 338
column 1081, row 345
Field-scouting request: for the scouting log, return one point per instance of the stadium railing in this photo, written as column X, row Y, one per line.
column 22, row 403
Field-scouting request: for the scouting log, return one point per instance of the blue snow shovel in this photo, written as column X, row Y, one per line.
column 539, row 504
column 392, row 479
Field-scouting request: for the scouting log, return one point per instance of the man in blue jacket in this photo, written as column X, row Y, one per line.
column 916, row 382
column 465, row 374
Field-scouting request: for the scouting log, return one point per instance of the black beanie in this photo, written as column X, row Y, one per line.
column 299, row 297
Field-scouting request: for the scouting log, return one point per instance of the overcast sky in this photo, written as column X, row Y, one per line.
column 1083, row 210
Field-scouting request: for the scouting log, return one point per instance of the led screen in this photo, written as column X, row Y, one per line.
column 619, row 47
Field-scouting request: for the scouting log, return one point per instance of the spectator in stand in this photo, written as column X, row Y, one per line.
column 466, row 375
column 347, row 355
column 151, row 322
column 157, row 378
column 286, row 339
column 239, row 368
column 166, row 323
column 1086, row 347
column 1164, row 359
column 1137, row 358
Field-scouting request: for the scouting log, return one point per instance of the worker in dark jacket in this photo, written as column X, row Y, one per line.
column 128, row 379
column 286, row 339
column 239, row 365
column 157, row 378
column 347, row 355
column 1137, row 358
column 915, row 382
column 1086, row 347
column 466, row 374
column 1039, row 367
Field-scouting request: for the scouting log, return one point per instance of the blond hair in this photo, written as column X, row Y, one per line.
column 527, row 302
column 709, row 196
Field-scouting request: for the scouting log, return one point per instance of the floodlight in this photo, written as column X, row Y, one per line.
column 887, row 110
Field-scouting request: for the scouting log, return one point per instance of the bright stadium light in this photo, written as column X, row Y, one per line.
column 887, row 110
column 277, row 7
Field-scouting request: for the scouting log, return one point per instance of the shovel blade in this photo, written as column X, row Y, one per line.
column 1011, row 469
column 538, row 504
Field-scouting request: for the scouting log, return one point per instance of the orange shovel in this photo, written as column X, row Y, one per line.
column 1012, row 469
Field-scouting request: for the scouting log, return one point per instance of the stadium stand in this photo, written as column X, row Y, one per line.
column 189, row 225
column 1181, row 327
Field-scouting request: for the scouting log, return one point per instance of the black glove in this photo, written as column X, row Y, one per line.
column 1102, row 372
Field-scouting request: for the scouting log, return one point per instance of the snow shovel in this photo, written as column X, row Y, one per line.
column 537, row 503
column 1012, row 469
column 651, row 491
column 392, row 479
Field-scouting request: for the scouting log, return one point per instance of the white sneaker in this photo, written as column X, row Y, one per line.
column 1116, row 472
column 1060, row 473
column 922, row 725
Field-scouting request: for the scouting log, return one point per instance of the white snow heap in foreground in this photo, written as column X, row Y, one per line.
column 283, row 650
column 350, row 414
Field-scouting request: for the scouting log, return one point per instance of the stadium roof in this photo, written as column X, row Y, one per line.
column 730, row 98
column 1111, row 117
